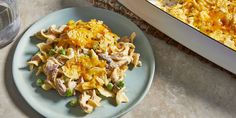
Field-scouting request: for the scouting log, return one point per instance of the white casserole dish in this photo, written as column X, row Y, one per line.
column 183, row 33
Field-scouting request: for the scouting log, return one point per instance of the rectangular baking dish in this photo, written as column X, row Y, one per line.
column 183, row 33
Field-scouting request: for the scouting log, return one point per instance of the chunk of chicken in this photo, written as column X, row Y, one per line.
column 71, row 84
column 105, row 57
column 114, row 64
column 51, row 70
column 60, row 87
column 118, row 57
column 49, row 66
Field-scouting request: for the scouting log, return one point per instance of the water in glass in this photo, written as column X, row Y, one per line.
column 9, row 21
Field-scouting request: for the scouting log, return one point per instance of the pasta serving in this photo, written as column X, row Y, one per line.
column 216, row 18
column 84, row 59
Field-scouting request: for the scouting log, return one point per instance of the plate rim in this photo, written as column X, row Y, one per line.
column 129, row 108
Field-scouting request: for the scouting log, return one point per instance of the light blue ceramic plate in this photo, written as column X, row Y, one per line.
column 50, row 104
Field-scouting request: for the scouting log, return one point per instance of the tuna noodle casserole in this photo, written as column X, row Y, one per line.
column 84, row 59
column 215, row 18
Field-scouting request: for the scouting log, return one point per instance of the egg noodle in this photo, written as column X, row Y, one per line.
column 84, row 59
column 216, row 18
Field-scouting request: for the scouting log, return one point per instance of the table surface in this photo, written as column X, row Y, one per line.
column 183, row 86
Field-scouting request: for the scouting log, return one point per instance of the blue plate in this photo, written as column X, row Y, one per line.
column 50, row 104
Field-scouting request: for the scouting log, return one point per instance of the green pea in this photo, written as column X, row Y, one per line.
column 69, row 92
column 39, row 82
column 73, row 102
column 121, row 84
column 89, row 54
column 95, row 46
column 63, row 51
column 52, row 52
column 110, row 86
column 64, row 77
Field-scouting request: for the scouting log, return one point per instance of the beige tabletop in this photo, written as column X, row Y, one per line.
column 183, row 86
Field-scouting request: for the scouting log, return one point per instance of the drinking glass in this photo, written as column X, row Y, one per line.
column 9, row 21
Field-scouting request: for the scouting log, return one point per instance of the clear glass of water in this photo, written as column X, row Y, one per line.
column 9, row 21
